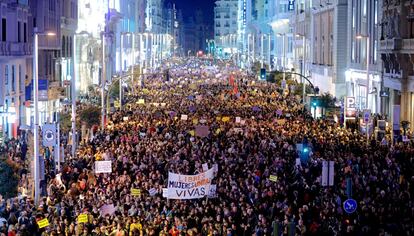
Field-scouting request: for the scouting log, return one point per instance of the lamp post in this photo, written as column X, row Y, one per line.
column 367, row 82
column 121, row 63
column 368, row 62
column 303, row 66
column 283, row 35
column 36, row 110
column 73, row 92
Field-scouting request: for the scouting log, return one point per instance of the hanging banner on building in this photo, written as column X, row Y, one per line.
column 49, row 135
column 189, row 186
column 43, row 90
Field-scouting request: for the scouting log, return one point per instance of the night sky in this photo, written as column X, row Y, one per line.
column 189, row 6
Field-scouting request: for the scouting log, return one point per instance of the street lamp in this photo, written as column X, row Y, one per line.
column 303, row 65
column 73, row 91
column 368, row 62
column 121, row 66
column 36, row 110
column 283, row 35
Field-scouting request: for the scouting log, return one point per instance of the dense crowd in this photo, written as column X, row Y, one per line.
column 147, row 140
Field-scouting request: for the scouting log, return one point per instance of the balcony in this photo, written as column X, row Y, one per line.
column 20, row 49
column 390, row 44
column 408, row 45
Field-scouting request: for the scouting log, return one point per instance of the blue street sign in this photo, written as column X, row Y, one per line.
column 350, row 206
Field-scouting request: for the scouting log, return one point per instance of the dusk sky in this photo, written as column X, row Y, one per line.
column 189, row 6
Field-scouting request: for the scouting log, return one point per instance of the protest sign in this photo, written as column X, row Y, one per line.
column 201, row 131
column 152, row 192
column 238, row 119
column 191, row 132
column 141, row 101
column 195, row 121
column 225, row 119
column 189, row 186
column 273, row 178
column 107, row 209
column 103, row 167
column 125, row 118
column 83, row 218
column 135, row 192
column 43, row 223
column 184, row 117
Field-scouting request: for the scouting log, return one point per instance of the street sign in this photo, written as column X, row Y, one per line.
column 367, row 115
column 350, row 206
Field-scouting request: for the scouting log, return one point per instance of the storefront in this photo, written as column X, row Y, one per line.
column 356, row 84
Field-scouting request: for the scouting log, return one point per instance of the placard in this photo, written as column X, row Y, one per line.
column 108, row 209
column 135, row 192
column 273, row 178
column 152, row 192
column 43, row 223
column 184, row 117
column 141, row 101
column 238, row 119
column 83, row 218
column 103, row 167
column 212, row 193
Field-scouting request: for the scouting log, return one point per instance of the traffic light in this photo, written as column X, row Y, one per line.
column 263, row 73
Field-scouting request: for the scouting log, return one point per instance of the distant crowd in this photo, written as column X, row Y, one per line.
column 253, row 132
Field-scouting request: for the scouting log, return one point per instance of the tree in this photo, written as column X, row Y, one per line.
column 8, row 178
column 90, row 116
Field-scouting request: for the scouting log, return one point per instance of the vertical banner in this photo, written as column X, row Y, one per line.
column 396, row 118
column 49, row 135
column 43, row 90
column 324, row 173
column 41, row 168
column 331, row 171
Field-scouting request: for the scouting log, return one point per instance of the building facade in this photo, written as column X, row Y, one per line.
column 226, row 16
column 397, row 54
column 364, row 31
column 15, row 56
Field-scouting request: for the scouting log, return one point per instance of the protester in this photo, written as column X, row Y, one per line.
column 252, row 134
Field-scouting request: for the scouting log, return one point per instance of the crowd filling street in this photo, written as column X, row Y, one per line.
column 248, row 130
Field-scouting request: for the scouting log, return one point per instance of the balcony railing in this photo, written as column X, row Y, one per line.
column 391, row 44
column 15, row 49
column 408, row 44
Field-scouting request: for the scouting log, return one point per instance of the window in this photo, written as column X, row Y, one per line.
column 6, row 74
column 18, row 32
column 12, row 79
column 3, row 29
column 34, row 23
column 24, row 32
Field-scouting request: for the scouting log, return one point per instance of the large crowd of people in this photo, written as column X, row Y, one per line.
column 253, row 130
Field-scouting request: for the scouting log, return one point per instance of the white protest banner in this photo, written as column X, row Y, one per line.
column 103, row 167
column 152, row 192
column 184, row 117
column 189, row 186
column 205, row 167
column 165, row 192
column 238, row 119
